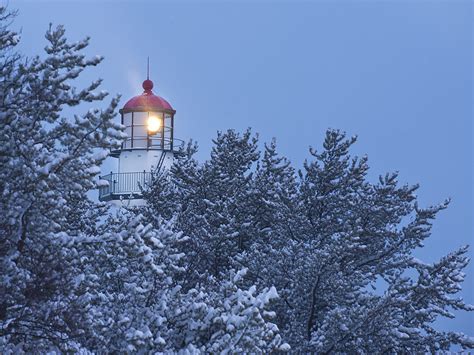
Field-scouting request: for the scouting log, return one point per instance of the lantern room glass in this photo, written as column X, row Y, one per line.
column 145, row 134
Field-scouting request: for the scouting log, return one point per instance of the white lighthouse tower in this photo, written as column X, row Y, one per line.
column 150, row 146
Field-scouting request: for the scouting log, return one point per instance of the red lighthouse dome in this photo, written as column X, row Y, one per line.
column 147, row 101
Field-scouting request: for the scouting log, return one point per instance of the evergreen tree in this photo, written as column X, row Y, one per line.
column 48, row 163
column 137, row 303
column 337, row 247
column 275, row 226
column 228, row 179
column 210, row 201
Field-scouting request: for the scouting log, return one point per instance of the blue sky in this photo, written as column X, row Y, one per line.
column 396, row 73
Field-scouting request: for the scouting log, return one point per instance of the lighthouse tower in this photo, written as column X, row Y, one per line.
column 149, row 147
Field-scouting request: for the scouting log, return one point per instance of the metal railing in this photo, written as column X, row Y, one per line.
column 146, row 142
column 116, row 185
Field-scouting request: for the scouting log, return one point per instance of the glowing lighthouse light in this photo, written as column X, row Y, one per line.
column 154, row 124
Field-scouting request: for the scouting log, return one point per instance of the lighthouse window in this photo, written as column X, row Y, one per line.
column 139, row 118
column 127, row 122
column 139, row 136
column 139, row 132
column 127, row 119
column 167, row 120
column 128, row 132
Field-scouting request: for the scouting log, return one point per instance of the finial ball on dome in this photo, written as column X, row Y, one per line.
column 147, row 85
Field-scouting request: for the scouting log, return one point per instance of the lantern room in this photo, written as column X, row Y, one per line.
column 148, row 121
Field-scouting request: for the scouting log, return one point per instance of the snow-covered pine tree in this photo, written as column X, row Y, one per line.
column 211, row 201
column 325, row 242
column 48, row 163
column 128, row 274
column 170, row 192
column 274, row 196
column 227, row 176
column 274, row 226
column 222, row 316
column 135, row 301
column 356, row 234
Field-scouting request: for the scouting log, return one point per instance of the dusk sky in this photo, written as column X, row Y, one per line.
column 396, row 73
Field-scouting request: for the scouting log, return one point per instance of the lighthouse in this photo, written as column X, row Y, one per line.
column 149, row 147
